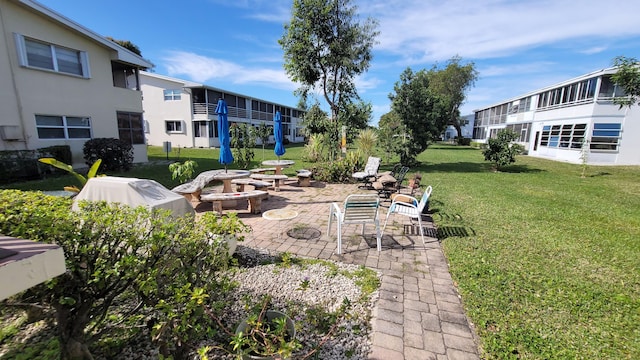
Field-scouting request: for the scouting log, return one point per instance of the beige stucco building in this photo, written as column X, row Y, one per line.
column 183, row 113
column 63, row 84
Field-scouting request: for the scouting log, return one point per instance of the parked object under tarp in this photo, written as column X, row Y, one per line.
column 133, row 192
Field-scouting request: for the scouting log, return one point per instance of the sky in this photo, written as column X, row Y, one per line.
column 516, row 46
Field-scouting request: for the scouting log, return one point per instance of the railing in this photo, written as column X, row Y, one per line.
column 210, row 109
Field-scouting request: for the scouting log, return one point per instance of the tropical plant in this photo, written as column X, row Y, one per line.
column 243, row 140
column 501, row 150
column 183, row 171
column 366, row 142
column 83, row 180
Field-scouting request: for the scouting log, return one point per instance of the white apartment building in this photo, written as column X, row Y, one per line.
column 554, row 121
column 183, row 112
column 63, row 84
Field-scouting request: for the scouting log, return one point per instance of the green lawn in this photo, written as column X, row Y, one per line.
column 547, row 262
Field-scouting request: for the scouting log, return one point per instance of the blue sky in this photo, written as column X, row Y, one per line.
column 517, row 46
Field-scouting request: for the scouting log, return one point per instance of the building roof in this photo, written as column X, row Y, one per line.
column 610, row 70
column 121, row 54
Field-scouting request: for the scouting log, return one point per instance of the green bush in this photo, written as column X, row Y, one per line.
column 461, row 140
column 339, row 171
column 501, row 150
column 113, row 251
column 116, row 154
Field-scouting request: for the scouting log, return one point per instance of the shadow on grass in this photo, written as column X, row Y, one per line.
column 459, row 167
column 516, row 169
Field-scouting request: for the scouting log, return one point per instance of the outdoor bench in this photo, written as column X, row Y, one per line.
column 275, row 178
column 263, row 170
column 254, row 197
column 304, row 177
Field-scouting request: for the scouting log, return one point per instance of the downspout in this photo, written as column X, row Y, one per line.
column 14, row 83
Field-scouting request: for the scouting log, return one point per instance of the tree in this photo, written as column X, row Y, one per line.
column 627, row 76
column 451, row 83
column 263, row 131
column 355, row 116
column 325, row 46
column 422, row 113
column 127, row 45
column 390, row 129
column 501, row 150
column 243, row 140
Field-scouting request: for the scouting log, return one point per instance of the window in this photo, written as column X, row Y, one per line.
column 173, row 126
column 172, row 94
column 609, row 89
column 41, row 55
column 200, row 128
column 63, row 127
column 130, row 127
column 605, row 137
column 563, row 136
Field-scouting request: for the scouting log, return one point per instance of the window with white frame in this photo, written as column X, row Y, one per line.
column 172, row 94
column 605, row 136
column 42, row 55
column 63, row 127
column 173, row 126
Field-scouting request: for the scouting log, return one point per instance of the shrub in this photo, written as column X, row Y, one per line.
column 501, row 150
column 339, row 171
column 116, row 154
column 112, row 251
column 461, row 140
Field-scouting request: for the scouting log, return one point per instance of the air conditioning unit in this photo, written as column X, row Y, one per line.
column 11, row 133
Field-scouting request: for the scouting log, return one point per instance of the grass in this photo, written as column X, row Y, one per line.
column 547, row 262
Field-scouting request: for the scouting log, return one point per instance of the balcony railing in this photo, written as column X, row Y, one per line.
column 210, row 109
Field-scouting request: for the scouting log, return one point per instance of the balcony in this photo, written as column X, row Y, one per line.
column 207, row 111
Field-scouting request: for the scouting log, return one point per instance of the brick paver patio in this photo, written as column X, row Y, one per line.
column 418, row 314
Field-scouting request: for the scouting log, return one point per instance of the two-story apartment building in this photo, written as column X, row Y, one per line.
column 553, row 122
column 183, row 112
column 63, row 84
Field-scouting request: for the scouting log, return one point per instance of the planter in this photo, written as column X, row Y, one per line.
column 269, row 316
column 232, row 242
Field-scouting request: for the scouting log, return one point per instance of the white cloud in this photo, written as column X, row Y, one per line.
column 202, row 69
column 436, row 30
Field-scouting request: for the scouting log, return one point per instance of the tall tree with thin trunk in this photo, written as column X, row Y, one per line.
column 325, row 47
column 451, row 83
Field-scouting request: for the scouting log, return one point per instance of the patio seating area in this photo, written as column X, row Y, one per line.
column 418, row 313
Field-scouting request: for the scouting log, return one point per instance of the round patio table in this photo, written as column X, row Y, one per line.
column 226, row 177
column 278, row 164
column 279, row 215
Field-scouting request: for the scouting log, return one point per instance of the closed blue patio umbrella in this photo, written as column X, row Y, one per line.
column 223, row 134
column 277, row 135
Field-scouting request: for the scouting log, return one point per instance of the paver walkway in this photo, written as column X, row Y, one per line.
column 418, row 314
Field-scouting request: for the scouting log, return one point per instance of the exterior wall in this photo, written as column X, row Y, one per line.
column 50, row 93
column 157, row 111
column 594, row 111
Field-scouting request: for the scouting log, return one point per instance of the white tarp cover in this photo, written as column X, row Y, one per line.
column 134, row 192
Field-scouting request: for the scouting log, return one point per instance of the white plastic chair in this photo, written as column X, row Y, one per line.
column 357, row 209
column 407, row 205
